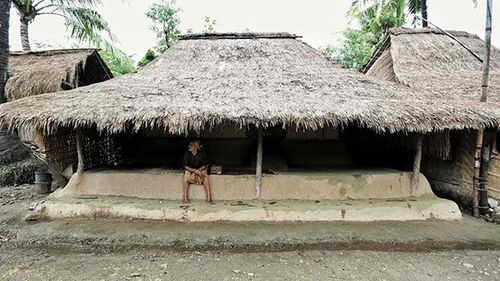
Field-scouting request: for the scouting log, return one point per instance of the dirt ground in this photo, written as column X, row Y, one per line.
column 17, row 194
column 293, row 265
column 140, row 250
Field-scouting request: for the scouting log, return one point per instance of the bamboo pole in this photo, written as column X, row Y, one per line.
column 416, row 164
column 484, row 96
column 456, row 40
column 424, row 13
column 258, row 166
column 487, row 52
column 79, row 151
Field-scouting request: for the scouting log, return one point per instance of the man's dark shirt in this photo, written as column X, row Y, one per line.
column 194, row 161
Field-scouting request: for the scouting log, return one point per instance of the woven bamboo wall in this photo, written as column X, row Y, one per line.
column 99, row 150
column 494, row 177
column 452, row 176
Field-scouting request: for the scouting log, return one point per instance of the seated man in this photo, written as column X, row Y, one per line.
column 195, row 170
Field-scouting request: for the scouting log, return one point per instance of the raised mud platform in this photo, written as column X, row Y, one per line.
column 383, row 195
column 298, row 185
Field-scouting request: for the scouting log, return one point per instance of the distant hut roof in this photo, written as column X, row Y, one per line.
column 41, row 72
column 205, row 80
column 426, row 59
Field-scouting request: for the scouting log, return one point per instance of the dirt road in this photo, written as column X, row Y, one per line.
column 295, row 265
column 142, row 250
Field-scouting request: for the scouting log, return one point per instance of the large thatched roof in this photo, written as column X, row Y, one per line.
column 429, row 60
column 262, row 79
column 41, row 72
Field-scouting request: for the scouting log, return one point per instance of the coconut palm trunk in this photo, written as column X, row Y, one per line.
column 25, row 37
column 12, row 150
column 80, row 18
column 4, row 46
column 4, row 50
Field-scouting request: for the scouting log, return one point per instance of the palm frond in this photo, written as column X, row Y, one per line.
column 358, row 6
column 87, row 25
column 77, row 3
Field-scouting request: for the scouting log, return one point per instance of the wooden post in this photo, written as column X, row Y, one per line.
column 79, row 151
column 484, row 96
column 483, row 178
column 416, row 164
column 258, row 166
column 477, row 171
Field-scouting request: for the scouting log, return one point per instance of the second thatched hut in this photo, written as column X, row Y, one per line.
column 36, row 73
column 447, row 65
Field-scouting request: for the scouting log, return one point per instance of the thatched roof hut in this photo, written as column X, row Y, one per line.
column 429, row 60
column 260, row 79
column 36, row 73
column 41, row 72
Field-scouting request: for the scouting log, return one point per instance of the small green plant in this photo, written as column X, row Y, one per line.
column 147, row 58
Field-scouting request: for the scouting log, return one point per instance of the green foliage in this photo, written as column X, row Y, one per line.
column 80, row 19
column 375, row 18
column 118, row 62
column 148, row 57
column 355, row 50
column 394, row 11
column 209, row 26
column 378, row 16
column 165, row 17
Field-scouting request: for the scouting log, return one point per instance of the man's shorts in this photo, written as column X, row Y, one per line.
column 194, row 178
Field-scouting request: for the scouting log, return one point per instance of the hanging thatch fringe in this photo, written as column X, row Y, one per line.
column 262, row 81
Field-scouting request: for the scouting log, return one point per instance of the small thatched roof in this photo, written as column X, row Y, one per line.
column 41, row 72
column 265, row 80
column 429, row 60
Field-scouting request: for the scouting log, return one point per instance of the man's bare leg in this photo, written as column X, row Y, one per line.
column 208, row 192
column 186, row 192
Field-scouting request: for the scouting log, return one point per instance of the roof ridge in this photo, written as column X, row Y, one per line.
column 52, row 52
column 427, row 30
column 239, row 35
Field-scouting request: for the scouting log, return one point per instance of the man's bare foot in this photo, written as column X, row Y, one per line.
column 209, row 201
column 185, row 201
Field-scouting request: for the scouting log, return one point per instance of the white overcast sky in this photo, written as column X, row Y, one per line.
column 320, row 22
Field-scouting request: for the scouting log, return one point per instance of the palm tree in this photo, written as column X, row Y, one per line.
column 4, row 46
column 83, row 23
column 398, row 8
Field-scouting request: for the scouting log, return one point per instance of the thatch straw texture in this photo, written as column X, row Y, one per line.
column 428, row 60
column 36, row 73
column 202, row 82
